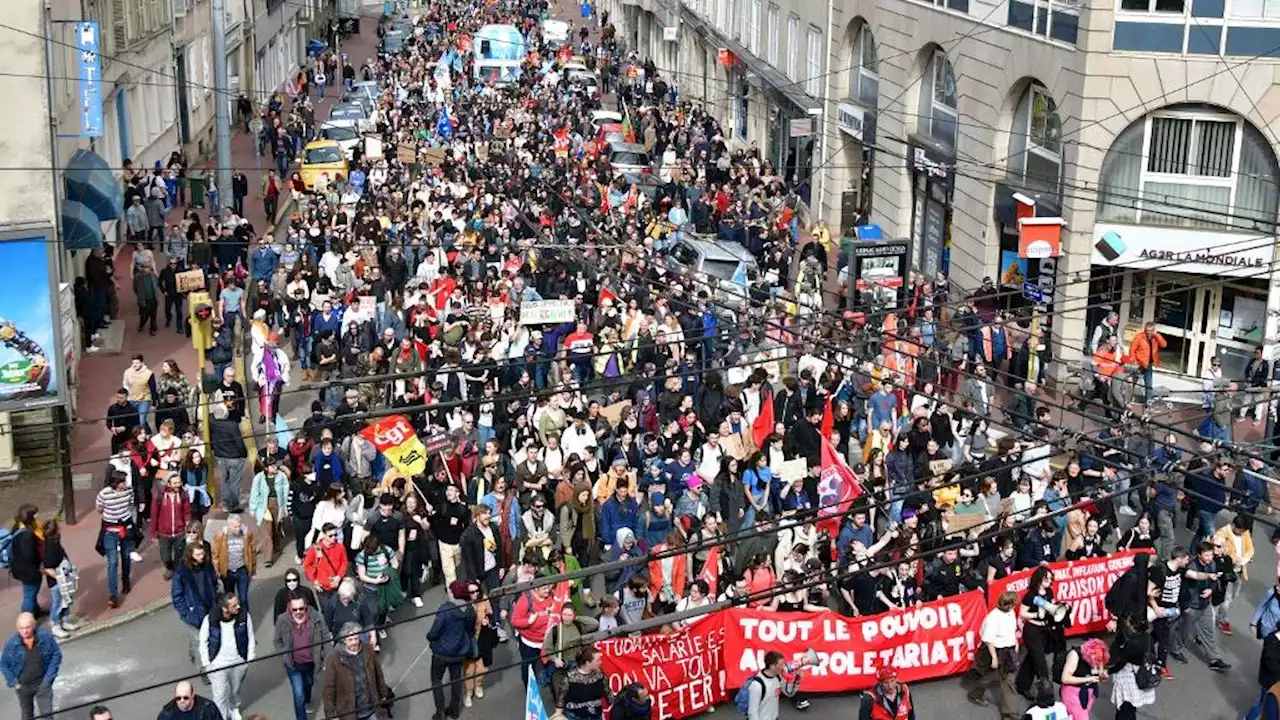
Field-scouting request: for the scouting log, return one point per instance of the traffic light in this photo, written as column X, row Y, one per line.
column 201, row 320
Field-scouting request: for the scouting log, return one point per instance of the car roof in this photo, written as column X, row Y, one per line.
column 627, row 147
column 324, row 143
column 343, row 106
column 611, row 127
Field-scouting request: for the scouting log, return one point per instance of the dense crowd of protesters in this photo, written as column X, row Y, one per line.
column 672, row 415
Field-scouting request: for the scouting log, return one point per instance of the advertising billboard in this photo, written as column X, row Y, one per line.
column 87, row 44
column 31, row 365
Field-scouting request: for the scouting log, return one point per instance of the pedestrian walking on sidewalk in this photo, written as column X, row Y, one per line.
column 24, row 556
column 118, row 536
column 63, row 580
column 226, row 646
column 30, row 662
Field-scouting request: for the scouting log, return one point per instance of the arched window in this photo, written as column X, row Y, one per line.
column 864, row 69
column 938, row 115
column 1190, row 166
column 1035, row 141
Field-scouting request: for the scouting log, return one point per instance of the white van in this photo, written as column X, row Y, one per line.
column 555, row 32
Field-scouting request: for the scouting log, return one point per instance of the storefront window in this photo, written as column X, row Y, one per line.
column 1173, row 306
column 1138, row 299
column 1242, row 317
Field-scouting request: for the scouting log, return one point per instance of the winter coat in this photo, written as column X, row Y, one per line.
column 338, row 686
column 283, row 639
column 194, row 592
column 451, row 631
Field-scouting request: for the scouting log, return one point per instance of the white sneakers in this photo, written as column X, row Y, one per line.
column 59, row 632
column 479, row 692
column 417, row 602
column 135, row 556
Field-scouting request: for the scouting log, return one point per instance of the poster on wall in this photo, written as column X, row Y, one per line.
column 30, row 368
column 1013, row 269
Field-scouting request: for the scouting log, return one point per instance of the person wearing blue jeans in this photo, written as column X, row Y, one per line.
column 234, row 559
column 25, row 560
column 303, row 638
column 117, row 541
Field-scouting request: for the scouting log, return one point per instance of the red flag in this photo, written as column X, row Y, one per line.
column 762, row 428
column 838, row 488
column 828, row 420
column 711, row 571
column 559, row 599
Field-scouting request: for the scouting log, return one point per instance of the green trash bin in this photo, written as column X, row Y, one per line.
column 195, row 184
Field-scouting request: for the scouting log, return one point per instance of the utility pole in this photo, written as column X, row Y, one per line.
column 221, row 108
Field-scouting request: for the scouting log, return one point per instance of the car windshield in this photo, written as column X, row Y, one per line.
column 339, row 132
column 347, row 112
column 324, row 155
column 629, row 158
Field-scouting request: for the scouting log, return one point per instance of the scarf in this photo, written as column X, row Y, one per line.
column 586, row 512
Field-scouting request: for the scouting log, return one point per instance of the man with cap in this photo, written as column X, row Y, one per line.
column 888, row 699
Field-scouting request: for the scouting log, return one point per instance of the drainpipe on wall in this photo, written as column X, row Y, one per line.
column 823, row 122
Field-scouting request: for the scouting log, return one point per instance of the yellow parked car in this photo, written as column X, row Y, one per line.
column 322, row 157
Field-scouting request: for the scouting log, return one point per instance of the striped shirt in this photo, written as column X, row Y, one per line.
column 116, row 506
column 376, row 565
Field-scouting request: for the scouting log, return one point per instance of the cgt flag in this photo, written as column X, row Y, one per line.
column 393, row 436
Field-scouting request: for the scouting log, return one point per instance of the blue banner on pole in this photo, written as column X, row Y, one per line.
column 87, row 43
column 534, row 709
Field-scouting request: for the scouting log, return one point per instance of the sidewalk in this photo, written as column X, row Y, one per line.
column 100, row 375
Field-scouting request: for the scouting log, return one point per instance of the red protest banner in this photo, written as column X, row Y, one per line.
column 924, row 642
column 1082, row 584
column 682, row 671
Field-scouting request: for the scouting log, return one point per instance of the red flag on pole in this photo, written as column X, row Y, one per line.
column 762, row 428
column 711, row 571
column 559, row 599
column 838, row 488
column 828, row 420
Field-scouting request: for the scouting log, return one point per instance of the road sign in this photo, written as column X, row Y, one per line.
column 1032, row 291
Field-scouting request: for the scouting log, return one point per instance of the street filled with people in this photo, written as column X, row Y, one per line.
column 577, row 357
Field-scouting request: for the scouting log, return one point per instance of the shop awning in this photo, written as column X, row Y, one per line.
column 759, row 73
column 89, row 182
column 81, row 229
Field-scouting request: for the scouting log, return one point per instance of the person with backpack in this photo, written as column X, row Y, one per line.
column 888, row 700
column 757, row 699
column 20, row 553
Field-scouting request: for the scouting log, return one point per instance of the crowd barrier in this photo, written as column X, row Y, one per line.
column 687, row 672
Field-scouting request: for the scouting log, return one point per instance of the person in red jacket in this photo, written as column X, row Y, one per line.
column 531, row 617
column 169, row 520
column 888, row 700
column 326, row 563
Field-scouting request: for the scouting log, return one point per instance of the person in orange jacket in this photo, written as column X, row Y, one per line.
column 1107, row 364
column 1145, row 351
